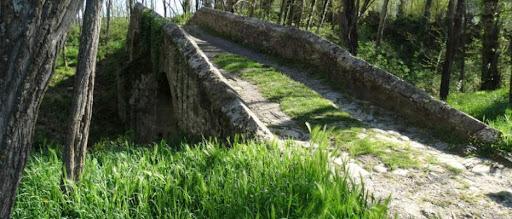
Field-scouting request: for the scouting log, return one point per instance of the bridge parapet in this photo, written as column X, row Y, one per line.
column 169, row 87
column 357, row 77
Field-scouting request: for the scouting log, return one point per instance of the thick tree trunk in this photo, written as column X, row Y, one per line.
column 324, row 12
column 490, row 78
column 29, row 44
column 382, row 21
column 348, row 25
column 74, row 152
column 311, row 13
column 455, row 14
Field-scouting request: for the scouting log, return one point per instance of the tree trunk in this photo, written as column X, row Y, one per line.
column 252, row 6
column 297, row 8
column 311, row 13
column 74, row 152
column 29, row 44
column 427, row 11
column 289, row 12
column 490, row 78
column 164, row 3
column 324, row 12
column 463, row 53
column 382, row 21
column 64, row 52
column 348, row 25
column 230, row 5
column 455, row 14
column 510, row 67
column 107, row 28
column 130, row 5
column 282, row 11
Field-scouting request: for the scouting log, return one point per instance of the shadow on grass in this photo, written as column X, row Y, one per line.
column 493, row 111
column 503, row 197
column 51, row 127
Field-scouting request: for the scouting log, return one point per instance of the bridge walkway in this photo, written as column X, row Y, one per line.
column 383, row 149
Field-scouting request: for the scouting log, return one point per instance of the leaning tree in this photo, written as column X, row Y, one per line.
column 30, row 32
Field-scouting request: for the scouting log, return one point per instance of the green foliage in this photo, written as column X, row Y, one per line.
column 181, row 19
column 385, row 57
column 208, row 180
column 116, row 39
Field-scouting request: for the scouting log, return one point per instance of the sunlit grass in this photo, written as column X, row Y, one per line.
column 491, row 107
column 303, row 104
column 207, row 180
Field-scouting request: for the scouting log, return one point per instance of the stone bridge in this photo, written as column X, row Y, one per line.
column 170, row 85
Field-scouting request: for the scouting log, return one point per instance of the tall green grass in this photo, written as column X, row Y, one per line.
column 207, row 180
column 491, row 107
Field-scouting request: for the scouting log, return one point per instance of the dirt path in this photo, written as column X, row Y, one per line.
column 445, row 185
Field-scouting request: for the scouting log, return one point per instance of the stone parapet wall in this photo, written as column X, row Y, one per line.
column 350, row 73
column 169, row 87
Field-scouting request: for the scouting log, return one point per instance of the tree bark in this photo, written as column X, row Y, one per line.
column 455, row 14
column 29, row 42
column 74, row 152
column 348, row 25
column 491, row 77
column 382, row 21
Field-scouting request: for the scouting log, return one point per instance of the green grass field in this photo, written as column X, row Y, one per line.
column 206, row 180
